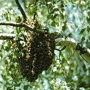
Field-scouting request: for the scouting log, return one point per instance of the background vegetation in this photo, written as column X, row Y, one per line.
column 69, row 71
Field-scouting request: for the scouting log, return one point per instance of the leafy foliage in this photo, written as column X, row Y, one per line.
column 69, row 71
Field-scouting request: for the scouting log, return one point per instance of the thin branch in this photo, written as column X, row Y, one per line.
column 21, row 10
column 5, row 36
column 21, row 25
column 35, row 12
column 17, row 25
column 60, row 49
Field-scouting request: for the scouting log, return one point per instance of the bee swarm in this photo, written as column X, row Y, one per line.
column 38, row 54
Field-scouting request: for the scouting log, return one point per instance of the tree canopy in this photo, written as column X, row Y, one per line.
column 68, row 21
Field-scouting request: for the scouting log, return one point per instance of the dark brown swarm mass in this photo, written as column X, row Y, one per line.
column 38, row 54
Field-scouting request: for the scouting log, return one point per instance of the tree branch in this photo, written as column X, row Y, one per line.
column 21, row 25
column 17, row 25
column 21, row 10
column 5, row 36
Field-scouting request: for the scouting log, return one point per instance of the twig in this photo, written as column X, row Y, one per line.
column 21, row 25
column 17, row 25
column 35, row 12
column 60, row 49
column 21, row 10
column 5, row 36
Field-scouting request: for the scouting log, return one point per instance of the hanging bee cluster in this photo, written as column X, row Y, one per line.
column 38, row 53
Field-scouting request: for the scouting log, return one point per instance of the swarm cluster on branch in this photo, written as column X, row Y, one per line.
column 38, row 54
